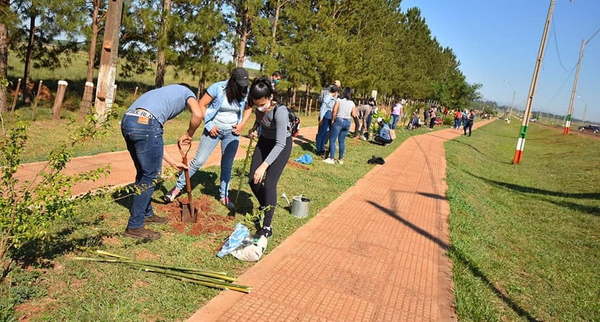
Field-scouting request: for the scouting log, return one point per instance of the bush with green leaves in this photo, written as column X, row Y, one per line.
column 29, row 207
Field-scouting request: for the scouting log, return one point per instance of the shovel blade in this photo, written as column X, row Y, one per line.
column 186, row 215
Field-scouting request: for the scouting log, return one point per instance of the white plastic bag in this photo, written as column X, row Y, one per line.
column 251, row 252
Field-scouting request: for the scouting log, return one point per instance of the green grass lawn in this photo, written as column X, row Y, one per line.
column 526, row 238
column 63, row 289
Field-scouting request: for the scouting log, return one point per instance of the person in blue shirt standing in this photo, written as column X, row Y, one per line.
column 142, row 129
column 325, row 117
column 226, row 113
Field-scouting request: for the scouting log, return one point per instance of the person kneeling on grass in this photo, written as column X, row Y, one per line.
column 142, row 129
column 385, row 135
column 272, row 151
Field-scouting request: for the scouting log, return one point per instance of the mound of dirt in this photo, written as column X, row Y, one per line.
column 207, row 222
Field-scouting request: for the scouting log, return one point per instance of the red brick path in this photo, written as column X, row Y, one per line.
column 377, row 253
column 122, row 171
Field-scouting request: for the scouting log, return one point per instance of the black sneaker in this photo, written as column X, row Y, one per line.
column 265, row 231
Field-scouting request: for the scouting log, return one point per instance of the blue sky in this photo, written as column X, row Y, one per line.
column 497, row 42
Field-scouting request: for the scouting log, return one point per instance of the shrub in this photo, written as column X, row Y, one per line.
column 28, row 208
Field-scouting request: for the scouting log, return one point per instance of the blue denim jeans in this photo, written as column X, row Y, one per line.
column 339, row 132
column 229, row 146
column 395, row 119
column 457, row 123
column 323, row 132
column 145, row 145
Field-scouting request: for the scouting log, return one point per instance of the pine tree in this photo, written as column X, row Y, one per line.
column 41, row 22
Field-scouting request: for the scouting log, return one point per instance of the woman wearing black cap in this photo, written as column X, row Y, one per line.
column 225, row 110
column 272, row 150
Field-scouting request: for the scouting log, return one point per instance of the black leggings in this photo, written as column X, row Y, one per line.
column 266, row 191
column 468, row 126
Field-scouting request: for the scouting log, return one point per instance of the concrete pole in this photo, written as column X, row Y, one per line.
column 108, row 59
column 58, row 100
column 511, row 107
column 570, row 110
column 532, row 87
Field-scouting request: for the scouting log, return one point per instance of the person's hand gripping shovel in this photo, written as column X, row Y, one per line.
column 189, row 214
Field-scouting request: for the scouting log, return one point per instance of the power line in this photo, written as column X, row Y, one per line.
column 593, row 35
column 560, row 89
column 556, row 47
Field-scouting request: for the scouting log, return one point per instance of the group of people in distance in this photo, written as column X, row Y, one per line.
column 336, row 114
column 464, row 119
column 225, row 109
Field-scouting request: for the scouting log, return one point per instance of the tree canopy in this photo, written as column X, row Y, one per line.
column 366, row 44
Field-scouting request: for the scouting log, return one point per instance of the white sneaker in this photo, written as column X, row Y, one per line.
column 329, row 161
column 341, row 162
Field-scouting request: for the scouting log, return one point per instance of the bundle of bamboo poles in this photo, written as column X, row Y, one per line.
column 218, row 280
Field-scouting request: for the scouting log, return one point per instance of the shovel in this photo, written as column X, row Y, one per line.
column 242, row 175
column 188, row 212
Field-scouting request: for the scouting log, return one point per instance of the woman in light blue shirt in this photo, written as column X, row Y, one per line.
column 225, row 113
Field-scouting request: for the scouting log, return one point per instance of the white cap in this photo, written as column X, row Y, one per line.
column 62, row 82
column 90, row 84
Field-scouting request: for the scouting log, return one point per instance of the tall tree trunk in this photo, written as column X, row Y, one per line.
column 161, row 60
column 88, row 94
column 201, row 84
column 244, row 33
column 241, row 52
column 3, row 67
column 27, row 69
column 274, row 29
column 93, row 39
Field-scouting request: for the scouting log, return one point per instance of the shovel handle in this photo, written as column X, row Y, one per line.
column 188, row 184
column 184, row 150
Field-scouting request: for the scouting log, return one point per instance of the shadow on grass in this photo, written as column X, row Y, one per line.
column 594, row 211
column 40, row 251
column 458, row 255
column 524, row 189
column 480, row 152
column 305, row 144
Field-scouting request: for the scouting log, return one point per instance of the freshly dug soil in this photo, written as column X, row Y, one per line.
column 207, row 221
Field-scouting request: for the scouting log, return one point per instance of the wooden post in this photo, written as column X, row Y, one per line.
column 108, row 59
column 36, row 100
column 310, row 106
column 306, row 96
column 60, row 95
column 14, row 103
column 136, row 90
column 86, row 102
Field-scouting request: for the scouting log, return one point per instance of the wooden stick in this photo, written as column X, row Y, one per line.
column 14, row 103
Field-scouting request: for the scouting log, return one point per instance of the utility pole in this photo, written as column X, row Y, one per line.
column 532, row 87
column 570, row 110
column 511, row 107
column 108, row 60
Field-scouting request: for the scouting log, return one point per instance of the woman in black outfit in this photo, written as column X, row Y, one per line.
column 272, row 150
